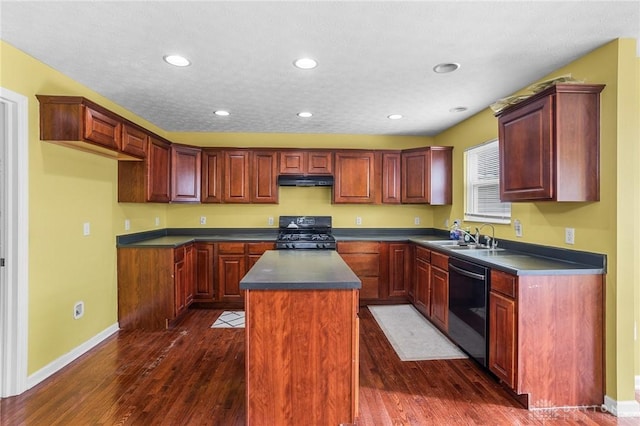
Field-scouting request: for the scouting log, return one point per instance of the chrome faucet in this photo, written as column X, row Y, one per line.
column 491, row 241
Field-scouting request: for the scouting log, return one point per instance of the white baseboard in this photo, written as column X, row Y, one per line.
column 621, row 408
column 58, row 364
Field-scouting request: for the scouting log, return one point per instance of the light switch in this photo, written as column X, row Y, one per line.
column 86, row 229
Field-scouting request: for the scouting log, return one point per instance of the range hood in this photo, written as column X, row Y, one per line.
column 299, row 180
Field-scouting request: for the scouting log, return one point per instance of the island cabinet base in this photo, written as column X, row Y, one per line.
column 302, row 357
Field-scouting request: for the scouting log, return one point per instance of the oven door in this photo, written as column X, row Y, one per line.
column 468, row 304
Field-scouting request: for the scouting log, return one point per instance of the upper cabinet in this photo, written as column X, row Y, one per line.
column 550, row 145
column 248, row 176
column 76, row 122
column 426, row 175
column 391, row 177
column 306, row 162
column 264, row 177
column 354, row 177
column 185, row 173
column 149, row 180
column 212, row 160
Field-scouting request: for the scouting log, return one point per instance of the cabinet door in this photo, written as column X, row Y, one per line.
column 231, row 269
column 364, row 260
column 236, row 177
column 134, row 141
column 440, row 298
column 319, row 163
column 158, row 171
column 102, row 129
column 264, row 188
column 354, row 177
column 526, row 153
column 190, row 274
column 293, row 162
column 185, row 173
column 391, row 178
column 211, row 176
column 423, row 286
column 502, row 338
column 204, row 272
column 180, row 282
column 399, row 269
column 426, row 176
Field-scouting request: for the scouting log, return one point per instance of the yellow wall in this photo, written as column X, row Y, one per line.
column 608, row 226
column 68, row 188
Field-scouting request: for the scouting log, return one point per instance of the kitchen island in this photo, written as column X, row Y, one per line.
column 301, row 339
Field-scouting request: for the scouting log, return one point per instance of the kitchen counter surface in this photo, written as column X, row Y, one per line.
column 512, row 257
column 300, row 270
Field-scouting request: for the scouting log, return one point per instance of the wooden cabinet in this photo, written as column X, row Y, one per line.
column 550, row 145
column 439, row 309
column 212, row 162
column 155, row 286
column 264, row 177
column 546, row 337
column 78, row 123
column 354, row 177
column 204, row 274
column 399, row 270
column 149, row 180
column 234, row 261
column 185, row 173
column 236, row 177
column 250, row 177
column 305, row 162
column 135, row 140
column 391, row 177
column 364, row 259
column 426, row 175
column 422, row 281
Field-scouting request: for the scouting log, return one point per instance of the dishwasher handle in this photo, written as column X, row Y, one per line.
column 467, row 273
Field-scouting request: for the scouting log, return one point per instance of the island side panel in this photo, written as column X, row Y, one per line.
column 301, row 356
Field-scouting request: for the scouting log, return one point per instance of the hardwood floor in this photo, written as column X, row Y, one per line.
column 194, row 375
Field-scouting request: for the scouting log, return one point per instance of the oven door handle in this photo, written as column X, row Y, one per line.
column 467, row 273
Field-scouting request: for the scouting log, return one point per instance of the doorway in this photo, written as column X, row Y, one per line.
column 14, row 242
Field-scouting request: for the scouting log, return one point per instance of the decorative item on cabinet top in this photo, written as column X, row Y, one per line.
column 76, row 122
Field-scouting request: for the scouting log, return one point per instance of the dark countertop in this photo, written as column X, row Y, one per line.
column 513, row 257
column 300, row 270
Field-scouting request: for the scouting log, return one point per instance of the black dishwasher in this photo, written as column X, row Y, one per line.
column 468, row 306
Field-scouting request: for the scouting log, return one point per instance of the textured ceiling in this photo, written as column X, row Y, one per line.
column 375, row 58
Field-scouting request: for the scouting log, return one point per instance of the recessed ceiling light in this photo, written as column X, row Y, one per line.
column 394, row 116
column 304, row 114
column 177, row 60
column 458, row 109
column 446, row 67
column 221, row 113
column 305, row 63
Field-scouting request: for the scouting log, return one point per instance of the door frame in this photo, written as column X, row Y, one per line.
column 14, row 301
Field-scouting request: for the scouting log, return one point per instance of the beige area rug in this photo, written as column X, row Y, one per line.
column 230, row 319
column 412, row 336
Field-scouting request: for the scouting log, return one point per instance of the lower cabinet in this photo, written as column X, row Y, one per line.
column 364, row 259
column 233, row 261
column 439, row 312
column 204, row 290
column 155, row 285
column 399, row 270
column 546, row 337
column 422, row 281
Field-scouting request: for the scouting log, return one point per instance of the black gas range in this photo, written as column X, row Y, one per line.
column 305, row 232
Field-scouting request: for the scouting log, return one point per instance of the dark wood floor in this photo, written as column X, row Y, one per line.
column 195, row 375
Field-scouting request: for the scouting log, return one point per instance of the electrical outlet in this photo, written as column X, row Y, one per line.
column 358, row 220
column 416, row 220
column 517, row 226
column 157, row 221
column 446, row 223
column 569, row 235
column 127, row 224
column 203, row 220
column 270, row 221
column 78, row 310
column 86, row 229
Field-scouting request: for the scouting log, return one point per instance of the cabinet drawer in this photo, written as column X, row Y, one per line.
column 231, row 248
column 503, row 283
column 440, row 260
column 259, row 248
column 358, row 247
column 423, row 254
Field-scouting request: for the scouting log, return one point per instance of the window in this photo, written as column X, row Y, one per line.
column 482, row 185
